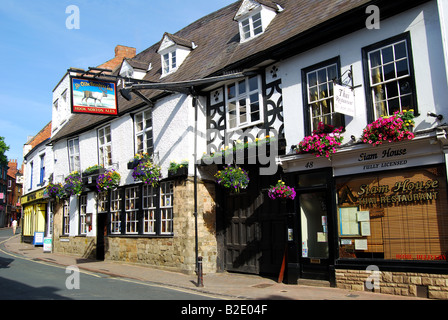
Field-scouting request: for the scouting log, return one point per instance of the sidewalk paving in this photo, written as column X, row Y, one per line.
column 222, row 285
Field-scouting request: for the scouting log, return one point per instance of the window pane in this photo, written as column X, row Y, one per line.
column 402, row 68
column 388, row 55
column 243, row 111
column 375, row 59
column 400, row 50
column 242, row 87
column 389, row 72
column 231, row 92
column 253, row 84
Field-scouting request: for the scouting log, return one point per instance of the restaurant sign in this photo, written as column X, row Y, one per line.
column 391, row 156
column 93, row 96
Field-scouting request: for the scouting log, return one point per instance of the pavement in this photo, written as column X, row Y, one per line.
column 231, row 286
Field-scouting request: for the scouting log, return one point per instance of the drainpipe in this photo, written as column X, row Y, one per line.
column 195, row 106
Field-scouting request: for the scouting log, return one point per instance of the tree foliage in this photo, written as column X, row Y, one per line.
column 3, row 149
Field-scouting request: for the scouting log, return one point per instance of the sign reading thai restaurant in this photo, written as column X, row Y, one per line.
column 344, row 100
column 93, row 96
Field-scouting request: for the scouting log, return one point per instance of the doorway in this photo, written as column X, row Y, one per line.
column 313, row 209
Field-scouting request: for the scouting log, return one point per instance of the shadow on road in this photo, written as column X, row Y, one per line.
column 13, row 290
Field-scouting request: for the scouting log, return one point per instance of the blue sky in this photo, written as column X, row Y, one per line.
column 36, row 49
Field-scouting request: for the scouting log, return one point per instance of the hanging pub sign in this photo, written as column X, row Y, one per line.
column 93, row 96
column 344, row 100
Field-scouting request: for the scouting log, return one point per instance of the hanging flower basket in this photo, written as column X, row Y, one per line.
column 55, row 191
column 390, row 128
column 281, row 191
column 73, row 184
column 322, row 142
column 233, row 178
column 108, row 180
column 147, row 172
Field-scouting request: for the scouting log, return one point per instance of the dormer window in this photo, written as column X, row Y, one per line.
column 254, row 17
column 251, row 26
column 169, row 62
column 173, row 51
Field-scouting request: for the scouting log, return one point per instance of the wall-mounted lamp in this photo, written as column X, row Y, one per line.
column 438, row 116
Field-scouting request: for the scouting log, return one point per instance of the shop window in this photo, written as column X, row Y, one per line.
column 389, row 77
column 65, row 218
column 131, row 209
column 149, row 214
column 166, row 208
column 318, row 84
column 394, row 215
column 149, row 209
column 115, row 212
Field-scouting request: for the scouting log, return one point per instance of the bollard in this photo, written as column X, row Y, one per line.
column 200, row 277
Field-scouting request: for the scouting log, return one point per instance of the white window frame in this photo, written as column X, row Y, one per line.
column 166, row 208
column 251, row 26
column 74, row 157
column 149, row 207
column 322, row 99
column 115, row 212
column 65, row 218
column 105, row 146
column 131, row 210
column 143, row 132
column 235, row 110
column 82, row 214
column 384, row 84
column 169, row 62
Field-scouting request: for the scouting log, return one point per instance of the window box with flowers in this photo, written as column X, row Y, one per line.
column 397, row 127
column 232, row 178
column 323, row 142
column 147, row 172
column 281, row 191
column 73, row 184
column 90, row 175
column 178, row 170
column 108, row 180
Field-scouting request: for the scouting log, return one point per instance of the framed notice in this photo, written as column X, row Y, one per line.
column 348, row 219
column 93, row 96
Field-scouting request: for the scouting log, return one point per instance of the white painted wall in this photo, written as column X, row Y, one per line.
column 430, row 74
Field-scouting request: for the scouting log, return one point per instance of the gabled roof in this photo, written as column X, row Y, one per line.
column 300, row 26
column 168, row 37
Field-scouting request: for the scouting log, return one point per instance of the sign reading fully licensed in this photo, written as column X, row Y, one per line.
column 93, row 96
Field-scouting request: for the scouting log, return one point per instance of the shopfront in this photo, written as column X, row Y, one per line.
column 34, row 207
column 373, row 208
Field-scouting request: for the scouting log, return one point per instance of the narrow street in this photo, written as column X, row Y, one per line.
column 22, row 278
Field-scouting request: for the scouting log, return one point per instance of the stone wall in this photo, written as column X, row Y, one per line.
column 177, row 252
column 433, row 286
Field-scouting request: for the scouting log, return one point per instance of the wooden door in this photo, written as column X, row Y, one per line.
column 242, row 234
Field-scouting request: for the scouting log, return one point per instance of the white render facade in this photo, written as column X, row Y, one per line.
column 284, row 109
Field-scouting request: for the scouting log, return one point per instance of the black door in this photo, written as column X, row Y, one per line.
column 101, row 232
